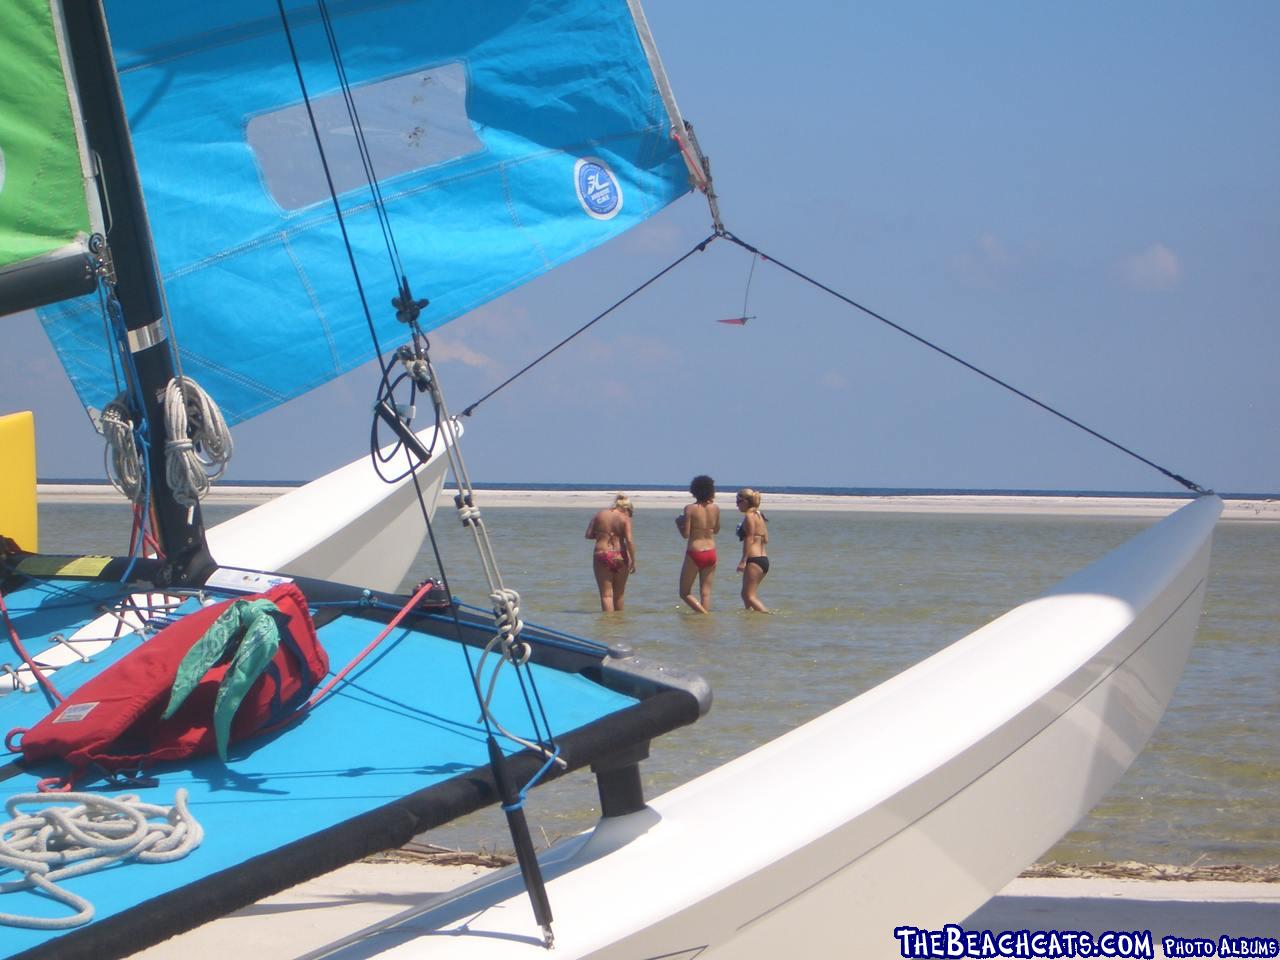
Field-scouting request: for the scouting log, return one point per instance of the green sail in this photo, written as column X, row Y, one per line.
column 45, row 212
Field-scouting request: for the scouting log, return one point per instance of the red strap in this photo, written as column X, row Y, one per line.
column 26, row 657
column 54, row 785
column 320, row 694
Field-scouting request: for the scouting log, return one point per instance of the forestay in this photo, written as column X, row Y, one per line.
column 507, row 137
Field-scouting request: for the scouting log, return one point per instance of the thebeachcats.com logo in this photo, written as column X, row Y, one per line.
column 598, row 189
column 955, row 941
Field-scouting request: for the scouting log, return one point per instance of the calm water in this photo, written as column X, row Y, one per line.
column 860, row 597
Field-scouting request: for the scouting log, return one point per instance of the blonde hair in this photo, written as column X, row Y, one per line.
column 623, row 502
column 751, row 496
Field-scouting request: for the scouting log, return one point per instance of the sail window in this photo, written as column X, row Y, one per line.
column 411, row 122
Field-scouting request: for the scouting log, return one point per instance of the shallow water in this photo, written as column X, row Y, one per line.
column 858, row 598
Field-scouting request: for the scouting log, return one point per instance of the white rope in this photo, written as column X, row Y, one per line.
column 191, row 461
column 121, row 461
column 496, row 641
column 506, row 614
column 58, row 842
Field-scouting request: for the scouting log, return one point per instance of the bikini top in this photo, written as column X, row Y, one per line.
column 741, row 532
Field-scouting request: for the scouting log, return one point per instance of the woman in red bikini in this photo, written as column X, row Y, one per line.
column 614, row 557
column 699, row 525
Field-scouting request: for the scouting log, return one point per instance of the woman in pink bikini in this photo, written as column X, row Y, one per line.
column 614, row 557
column 699, row 525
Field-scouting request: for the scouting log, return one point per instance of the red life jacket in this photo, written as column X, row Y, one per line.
column 113, row 721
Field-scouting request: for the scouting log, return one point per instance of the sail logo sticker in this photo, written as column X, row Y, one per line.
column 598, row 189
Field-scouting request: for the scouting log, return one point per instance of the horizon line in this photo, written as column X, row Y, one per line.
column 815, row 489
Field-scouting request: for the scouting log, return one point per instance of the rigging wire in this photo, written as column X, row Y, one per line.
column 506, row 609
column 127, row 455
column 507, row 640
column 405, row 303
column 366, row 158
column 757, row 255
column 697, row 248
column 387, row 388
column 1190, row 485
column 333, row 190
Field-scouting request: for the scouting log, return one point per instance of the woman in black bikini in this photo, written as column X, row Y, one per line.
column 753, row 531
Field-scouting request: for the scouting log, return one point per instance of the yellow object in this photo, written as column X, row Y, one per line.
column 89, row 566
column 18, row 480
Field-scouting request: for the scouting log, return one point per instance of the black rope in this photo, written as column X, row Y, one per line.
column 1190, row 485
column 333, row 192
column 366, row 158
column 697, row 248
column 388, row 387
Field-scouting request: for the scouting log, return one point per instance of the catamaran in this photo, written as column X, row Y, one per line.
column 219, row 207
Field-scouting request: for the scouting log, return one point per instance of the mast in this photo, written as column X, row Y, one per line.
column 180, row 530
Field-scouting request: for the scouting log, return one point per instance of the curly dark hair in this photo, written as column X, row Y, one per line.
column 702, row 488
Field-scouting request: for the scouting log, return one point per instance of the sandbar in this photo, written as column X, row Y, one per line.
column 1006, row 504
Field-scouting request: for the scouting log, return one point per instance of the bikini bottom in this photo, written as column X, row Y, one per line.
column 702, row 558
column 611, row 559
column 761, row 562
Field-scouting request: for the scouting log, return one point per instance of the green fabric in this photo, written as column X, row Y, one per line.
column 42, row 190
column 248, row 627
column 261, row 639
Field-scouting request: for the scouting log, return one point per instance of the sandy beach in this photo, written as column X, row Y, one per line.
column 585, row 500
column 315, row 914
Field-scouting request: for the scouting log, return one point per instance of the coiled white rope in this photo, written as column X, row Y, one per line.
column 59, row 841
column 121, row 460
column 192, row 460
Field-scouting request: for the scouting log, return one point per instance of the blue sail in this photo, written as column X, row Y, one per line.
column 506, row 138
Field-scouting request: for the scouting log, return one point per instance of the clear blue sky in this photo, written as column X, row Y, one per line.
column 1082, row 198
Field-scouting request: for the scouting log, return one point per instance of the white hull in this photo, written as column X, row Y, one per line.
column 347, row 526
column 909, row 805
